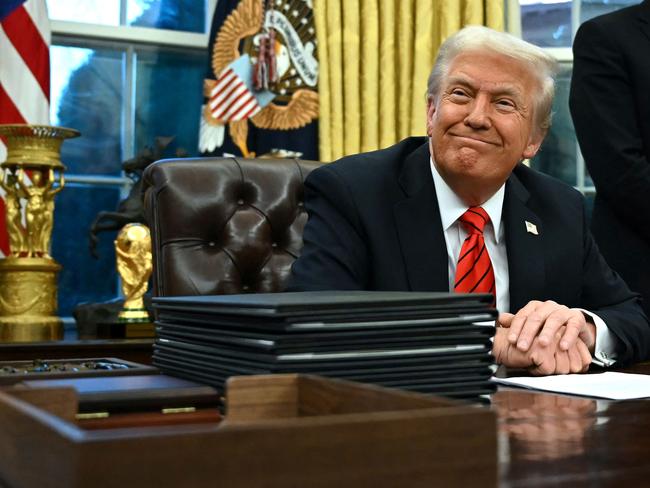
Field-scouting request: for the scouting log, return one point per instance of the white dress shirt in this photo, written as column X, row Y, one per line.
column 451, row 208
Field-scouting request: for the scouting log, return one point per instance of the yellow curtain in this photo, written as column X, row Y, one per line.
column 375, row 57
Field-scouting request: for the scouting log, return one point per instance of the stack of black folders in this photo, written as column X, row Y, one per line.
column 425, row 342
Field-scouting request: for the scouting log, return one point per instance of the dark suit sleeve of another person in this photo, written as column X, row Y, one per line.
column 605, row 104
column 605, row 293
column 334, row 255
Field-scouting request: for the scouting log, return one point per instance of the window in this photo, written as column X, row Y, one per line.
column 552, row 24
column 123, row 72
column 182, row 15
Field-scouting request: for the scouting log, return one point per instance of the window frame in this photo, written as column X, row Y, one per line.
column 564, row 56
column 78, row 34
column 129, row 38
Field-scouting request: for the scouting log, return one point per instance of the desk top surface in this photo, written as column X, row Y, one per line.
column 546, row 439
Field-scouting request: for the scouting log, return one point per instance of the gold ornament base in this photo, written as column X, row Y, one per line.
column 137, row 323
column 133, row 316
column 139, row 331
column 29, row 329
column 28, row 300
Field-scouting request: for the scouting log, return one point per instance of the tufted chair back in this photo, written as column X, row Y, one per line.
column 224, row 225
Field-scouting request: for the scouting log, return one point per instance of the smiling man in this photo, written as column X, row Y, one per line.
column 457, row 211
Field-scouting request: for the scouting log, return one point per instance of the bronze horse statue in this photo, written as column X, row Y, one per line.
column 130, row 210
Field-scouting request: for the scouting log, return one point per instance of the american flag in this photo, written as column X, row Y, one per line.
column 232, row 97
column 24, row 73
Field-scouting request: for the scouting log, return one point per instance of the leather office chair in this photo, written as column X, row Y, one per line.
column 224, row 225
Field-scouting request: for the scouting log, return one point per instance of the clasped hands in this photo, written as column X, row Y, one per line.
column 545, row 338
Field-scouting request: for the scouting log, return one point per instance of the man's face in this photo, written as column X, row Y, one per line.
column 481, row 123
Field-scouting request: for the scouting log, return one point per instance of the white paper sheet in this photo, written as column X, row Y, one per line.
column 611, row 385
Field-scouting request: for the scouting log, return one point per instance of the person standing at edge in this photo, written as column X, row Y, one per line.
column 610, row 106
column 406, row 218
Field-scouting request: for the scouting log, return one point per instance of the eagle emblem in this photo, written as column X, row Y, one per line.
column 277, row 95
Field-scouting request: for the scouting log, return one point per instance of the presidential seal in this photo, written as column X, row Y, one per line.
column 266, row 72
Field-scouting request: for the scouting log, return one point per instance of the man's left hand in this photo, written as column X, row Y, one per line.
column 541, row 360
column 542, row 320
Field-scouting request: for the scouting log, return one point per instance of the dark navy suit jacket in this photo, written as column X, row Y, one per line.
column 610, row 105
column 374, row 224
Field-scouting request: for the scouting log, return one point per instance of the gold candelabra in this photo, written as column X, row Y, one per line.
column 31, row 176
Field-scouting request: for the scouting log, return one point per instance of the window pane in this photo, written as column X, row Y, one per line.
column 83, row 278
column 88, row 95
column 91, row 11
column 593, row 8
column 546, row 24
column 558, row 154
column 183, row 15
column 169, row 87
column 588, row 180
column 549, row 23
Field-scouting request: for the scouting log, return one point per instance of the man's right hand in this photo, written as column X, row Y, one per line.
column 541, row 360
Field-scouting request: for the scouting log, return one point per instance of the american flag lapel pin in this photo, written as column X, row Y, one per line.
column 531, row 228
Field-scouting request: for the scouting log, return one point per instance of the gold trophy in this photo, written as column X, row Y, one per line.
column 33, row 175
column 134, row 264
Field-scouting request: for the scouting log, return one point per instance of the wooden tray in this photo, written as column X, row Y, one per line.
column 280, row 430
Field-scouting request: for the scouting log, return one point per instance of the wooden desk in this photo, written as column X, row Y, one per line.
column 544, row 439
column 554, row 440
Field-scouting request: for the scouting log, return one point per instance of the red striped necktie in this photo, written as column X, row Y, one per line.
column 474, row 272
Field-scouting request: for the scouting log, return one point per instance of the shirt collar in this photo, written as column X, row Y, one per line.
column 452, row 207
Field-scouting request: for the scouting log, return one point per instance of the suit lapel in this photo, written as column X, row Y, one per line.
column 419, row 226
column 526, row 264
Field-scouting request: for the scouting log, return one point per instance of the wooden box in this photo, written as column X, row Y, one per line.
column 280, row 431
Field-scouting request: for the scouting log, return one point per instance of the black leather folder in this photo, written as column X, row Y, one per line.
column 313, row 308
column 332, row 340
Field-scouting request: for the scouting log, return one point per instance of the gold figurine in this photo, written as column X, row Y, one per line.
column 134, row 264
column 39, row 211
column 17, row 238
column 28, row 274
column 48, row 210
